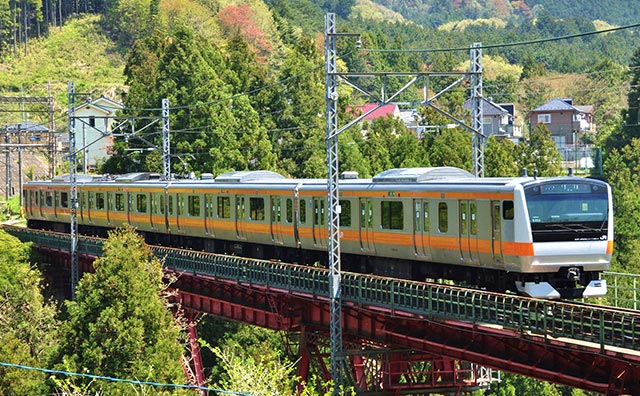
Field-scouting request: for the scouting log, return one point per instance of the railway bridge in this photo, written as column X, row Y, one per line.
column 401, row 337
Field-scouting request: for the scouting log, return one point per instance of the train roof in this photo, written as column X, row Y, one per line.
column 441, row 176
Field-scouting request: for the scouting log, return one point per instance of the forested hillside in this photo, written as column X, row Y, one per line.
column 436, row 12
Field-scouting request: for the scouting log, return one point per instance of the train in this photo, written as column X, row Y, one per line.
column 544, row 237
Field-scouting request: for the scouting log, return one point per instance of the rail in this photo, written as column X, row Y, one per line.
column 603, row 326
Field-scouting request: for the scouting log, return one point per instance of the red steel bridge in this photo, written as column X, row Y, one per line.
column 400, row 337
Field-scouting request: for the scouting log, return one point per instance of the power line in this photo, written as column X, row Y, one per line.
column 121, row 380
column 505, row 45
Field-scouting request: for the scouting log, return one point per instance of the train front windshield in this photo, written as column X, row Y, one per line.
column 568, row 210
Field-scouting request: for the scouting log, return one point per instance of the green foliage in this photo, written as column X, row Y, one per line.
column 449, row 147
column 500, row 158
column 516, row 385
column 540, row 154
column 120, row 325
column 622, row 171
column 28, row 328
column 630, row 128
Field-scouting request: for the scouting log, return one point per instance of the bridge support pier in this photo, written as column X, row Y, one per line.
column 192, row 365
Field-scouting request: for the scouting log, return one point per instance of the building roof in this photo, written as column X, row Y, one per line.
column 489, row 108
column 27, row 126
column 557, row 104
column 382, row 111
column 102, row 104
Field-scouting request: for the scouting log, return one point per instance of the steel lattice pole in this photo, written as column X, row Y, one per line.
column 476, row 97
column 333, row 203
column 166, row 145
column 73, row 193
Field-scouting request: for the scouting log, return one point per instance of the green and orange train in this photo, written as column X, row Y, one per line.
column 542, row 237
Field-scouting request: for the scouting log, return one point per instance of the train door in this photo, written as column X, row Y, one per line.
column 110, row 206
column 209, row 209
column 129, row 199
column 421, row 228
column 468, row 230
column 241, row 217
column 180, row 214
column 366, row 225
column 155, row 210
column 320, row 231
column 496, row 233
column 276, row 220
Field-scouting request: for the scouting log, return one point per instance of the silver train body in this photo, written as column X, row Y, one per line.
column 542, row 237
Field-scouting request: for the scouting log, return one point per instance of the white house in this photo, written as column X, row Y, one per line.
column 93, row 126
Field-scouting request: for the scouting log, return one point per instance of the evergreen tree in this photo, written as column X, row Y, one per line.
column 630, row 127
column 449, row 147
column 120, row 325
column 540, row 153
column 622, row 171
column 299, row 113
column 500, row 158
column 28, row 329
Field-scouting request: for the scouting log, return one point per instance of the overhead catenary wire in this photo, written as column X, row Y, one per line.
column 120, row 380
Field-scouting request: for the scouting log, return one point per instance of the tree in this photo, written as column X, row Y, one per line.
column 500, row 158
column 119, row 325
column 540, row 153
column 28, row 329
column 622, row 171
column 630, row 127
column 449, row 147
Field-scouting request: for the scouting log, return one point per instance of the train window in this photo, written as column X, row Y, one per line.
column 474, row 219
column 256, row 208
column 193, row 203
column 35, row 196
column 170, row 201
column 161, row 204
column 180, row 205
column 119, row 202
column 208, row 206
column 345, row 213
column 64, row 199
column 507, row 210
column 83, row 200
column 57, row 199
column 48, row 198
column 141, row 203
column 443, row 217
column 289, row 210
column 224, row 207
column 392, row 215
column 303, row 211
column 276, row 210
column 318, row 211
column 99, row 200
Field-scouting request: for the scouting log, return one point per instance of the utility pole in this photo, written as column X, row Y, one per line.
column 73, row 190
column 478, row 140
column 7, row 164
column 338, row 359
column 166, row 144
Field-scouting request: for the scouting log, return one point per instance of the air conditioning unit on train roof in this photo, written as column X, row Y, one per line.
column 414, row 175
column 248, row 176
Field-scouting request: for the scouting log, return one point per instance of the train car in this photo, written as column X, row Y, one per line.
column 542, row 237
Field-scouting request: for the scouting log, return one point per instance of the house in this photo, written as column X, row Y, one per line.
column 94, row 120
column 386, row 110
column 565, row 121
column 497, row 119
